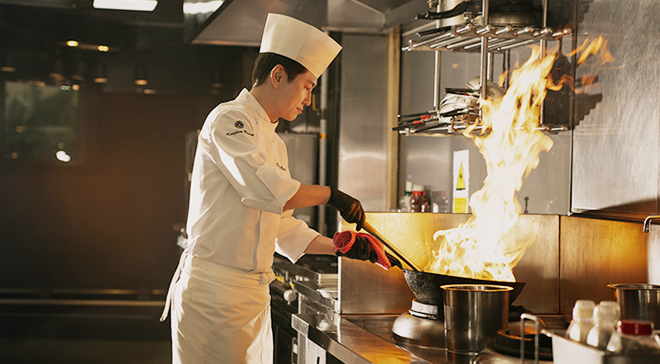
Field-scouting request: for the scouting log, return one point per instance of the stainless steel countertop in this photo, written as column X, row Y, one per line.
column 362, row 339
column 367, row 339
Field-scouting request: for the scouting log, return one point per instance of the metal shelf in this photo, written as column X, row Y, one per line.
column 467, row 38
column 439, row 128
column 476, row 38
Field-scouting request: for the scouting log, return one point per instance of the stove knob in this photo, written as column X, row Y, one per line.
column 290, row 295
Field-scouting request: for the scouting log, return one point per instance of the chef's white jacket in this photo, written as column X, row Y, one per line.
column 219, row 292
column 240, row 183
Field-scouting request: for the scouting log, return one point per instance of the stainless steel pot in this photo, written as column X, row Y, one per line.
column 638, row 301
column 473, row 315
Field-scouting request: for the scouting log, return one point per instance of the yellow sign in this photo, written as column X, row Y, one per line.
column 460, row 174
column 460, row 183
column 460, row 205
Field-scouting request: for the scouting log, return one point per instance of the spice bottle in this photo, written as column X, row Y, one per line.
column 606, row 315
column 419, row 201
column 582, row 321
column 634, row 338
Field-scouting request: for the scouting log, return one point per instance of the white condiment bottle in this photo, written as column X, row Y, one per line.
column 582, row 322
column 405, row 199
column 605, row 317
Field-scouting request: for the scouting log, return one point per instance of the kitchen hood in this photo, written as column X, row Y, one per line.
column 241, row 22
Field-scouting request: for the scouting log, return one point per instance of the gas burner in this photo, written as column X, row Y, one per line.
column 426, row 311
column 507, row 341
column 422, row 325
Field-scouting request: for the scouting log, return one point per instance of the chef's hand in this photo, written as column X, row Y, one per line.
column 363, row 250
column 349, row 208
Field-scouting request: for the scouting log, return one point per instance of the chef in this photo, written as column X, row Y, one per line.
column 241, row 203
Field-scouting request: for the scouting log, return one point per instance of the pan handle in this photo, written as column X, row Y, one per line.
column 370, row 229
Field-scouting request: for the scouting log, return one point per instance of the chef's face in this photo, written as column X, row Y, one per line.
column 295, row 95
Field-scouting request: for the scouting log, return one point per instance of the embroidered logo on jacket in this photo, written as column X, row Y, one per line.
column 239, row 125
column 280, row 167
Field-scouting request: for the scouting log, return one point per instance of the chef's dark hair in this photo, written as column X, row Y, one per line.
column 265, row 63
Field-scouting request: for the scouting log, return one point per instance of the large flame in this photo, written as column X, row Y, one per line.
column 510, row 143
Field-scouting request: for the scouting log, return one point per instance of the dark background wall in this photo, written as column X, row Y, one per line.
column 106, row 221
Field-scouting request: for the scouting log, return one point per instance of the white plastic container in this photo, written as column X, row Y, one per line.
column 634, row 338
column 605, row 317
column 582, row 321
column 567, row 351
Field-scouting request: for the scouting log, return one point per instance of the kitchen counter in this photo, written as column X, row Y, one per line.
column 362, row 339
column 367, row 339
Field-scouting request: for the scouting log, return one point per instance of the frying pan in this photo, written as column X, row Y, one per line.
column 426, row 286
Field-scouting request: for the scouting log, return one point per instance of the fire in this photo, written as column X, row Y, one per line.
column 510, row 143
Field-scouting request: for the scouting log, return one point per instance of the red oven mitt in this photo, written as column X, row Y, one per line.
column 363, row 247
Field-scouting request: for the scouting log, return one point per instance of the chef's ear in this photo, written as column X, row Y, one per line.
column 277, row 75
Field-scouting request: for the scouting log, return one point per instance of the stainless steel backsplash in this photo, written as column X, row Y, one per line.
column 571, row 258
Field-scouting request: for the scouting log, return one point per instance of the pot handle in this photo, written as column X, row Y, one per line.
column 370, row 229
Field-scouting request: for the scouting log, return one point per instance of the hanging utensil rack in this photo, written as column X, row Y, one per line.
column 467, row 38
column 486, row 39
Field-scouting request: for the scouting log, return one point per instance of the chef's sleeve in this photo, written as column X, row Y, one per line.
column 234, row 150
column 293, row 237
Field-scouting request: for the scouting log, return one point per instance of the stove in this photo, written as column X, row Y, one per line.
column 422, row 325
column 314, row 271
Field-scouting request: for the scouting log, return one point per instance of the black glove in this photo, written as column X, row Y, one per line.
column 349, row 208
column 363, row 250
column 393, row 261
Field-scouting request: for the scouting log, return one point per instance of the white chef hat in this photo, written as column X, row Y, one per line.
column 299, row 41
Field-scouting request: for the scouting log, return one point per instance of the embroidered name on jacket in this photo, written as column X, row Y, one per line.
column 240, row 132
column 280, row 167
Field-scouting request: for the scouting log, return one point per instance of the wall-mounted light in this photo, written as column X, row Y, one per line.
column 135, row 5
column 141, row 75
column 101, row 73
column 7, row 64
column 62, row 156
column 216, row 79
column 72, row 43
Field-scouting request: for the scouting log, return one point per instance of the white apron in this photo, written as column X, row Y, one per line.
column 220, row 314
